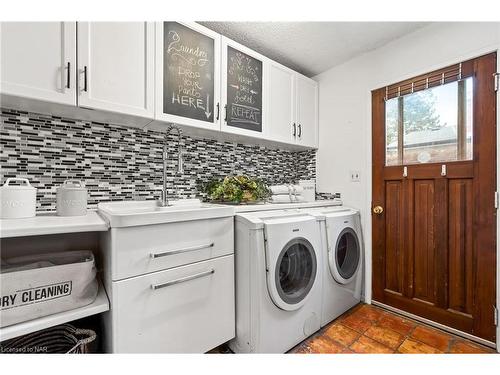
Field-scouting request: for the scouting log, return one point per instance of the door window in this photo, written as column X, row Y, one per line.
column 430, row 126
column 296, row 270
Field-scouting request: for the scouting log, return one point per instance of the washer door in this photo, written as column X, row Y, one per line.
column 344, row 259
column 294, row 274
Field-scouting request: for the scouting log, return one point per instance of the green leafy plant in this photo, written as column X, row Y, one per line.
column 237, row 189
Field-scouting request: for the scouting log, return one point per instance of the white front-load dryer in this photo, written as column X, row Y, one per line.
column 342, row 260
column 278, row 280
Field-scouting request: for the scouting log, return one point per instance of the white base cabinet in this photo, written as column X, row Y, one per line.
column 188, row 309
column 171, row 286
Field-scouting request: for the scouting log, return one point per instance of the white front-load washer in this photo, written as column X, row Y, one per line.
column 278, row 280
column 342, row 259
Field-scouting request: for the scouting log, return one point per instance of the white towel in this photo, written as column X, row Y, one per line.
column 282, row 198
column 286, row 189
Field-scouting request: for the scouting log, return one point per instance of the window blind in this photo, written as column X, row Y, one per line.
column 439, row 77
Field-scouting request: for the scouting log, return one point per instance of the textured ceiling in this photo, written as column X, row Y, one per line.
column 313, row 47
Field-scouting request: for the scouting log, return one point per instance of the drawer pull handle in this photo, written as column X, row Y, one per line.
column 184, row 250
column 182, row 279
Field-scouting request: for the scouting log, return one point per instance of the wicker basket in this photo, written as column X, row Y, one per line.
column 60, row 339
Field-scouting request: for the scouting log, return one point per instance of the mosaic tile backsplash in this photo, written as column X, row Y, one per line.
column 121, row 163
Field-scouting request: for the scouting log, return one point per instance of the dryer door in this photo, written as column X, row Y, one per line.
column 295, row 271
column 345, row 257
column 292, row 265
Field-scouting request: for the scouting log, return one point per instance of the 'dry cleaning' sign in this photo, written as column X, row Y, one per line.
column 35, row 295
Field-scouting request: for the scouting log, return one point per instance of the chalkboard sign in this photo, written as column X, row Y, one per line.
column 244, row 91
column 188, row 73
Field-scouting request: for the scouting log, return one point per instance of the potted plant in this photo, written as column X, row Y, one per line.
column 238, row 189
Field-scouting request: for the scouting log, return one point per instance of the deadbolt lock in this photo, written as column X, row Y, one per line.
column 378, row 210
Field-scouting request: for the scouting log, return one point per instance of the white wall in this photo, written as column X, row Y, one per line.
column 345, row 106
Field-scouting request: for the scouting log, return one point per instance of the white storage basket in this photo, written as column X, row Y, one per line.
column 44, row 284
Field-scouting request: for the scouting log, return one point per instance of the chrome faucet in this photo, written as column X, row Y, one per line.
column 180, row 165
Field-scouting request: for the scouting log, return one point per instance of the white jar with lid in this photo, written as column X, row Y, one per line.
column 71, row 198
column 17, row 200
column 309, row 190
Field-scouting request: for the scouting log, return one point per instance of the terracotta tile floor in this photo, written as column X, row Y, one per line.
column 369, row 329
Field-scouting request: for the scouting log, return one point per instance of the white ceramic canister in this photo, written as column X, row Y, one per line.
column 71, row 198
column 17, row 200
column 309, row 192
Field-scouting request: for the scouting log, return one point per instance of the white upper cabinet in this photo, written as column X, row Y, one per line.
column 307, row 112
column 243, row 94
column 38, row 60
column 187, row 75
column 173, row 72
column 281, row 98
column 293, row 106
column 116, row 67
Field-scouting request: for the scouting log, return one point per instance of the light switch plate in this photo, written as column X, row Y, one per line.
column 355, row 176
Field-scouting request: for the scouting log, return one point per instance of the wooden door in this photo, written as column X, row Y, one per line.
column 39, row 60
column 118, row 61
column 434, row 244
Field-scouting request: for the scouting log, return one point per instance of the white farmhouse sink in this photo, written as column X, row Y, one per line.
column 134, row 213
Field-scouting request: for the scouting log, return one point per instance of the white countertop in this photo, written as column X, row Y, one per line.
column 285, row 206
column 50, row 223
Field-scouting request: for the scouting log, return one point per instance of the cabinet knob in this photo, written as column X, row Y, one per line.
column 378, row 210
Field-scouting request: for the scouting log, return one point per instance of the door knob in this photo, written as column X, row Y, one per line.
column 378, row 210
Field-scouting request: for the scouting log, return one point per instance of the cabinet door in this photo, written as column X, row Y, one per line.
column 187, row 66
column 281, row 109
column 188, row 309
column 307, row 112
column 242, row 90
column 39, row 60
column 116, row 67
